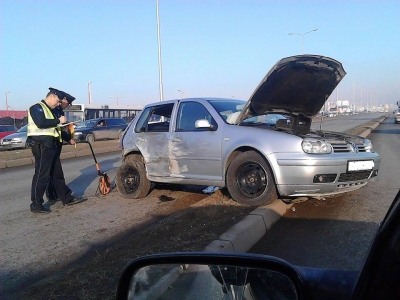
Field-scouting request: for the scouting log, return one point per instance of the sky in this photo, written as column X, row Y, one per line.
column 208, row 48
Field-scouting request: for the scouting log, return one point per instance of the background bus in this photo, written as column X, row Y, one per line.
column 82, row 112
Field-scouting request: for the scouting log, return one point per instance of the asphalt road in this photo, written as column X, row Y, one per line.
column 51, row 239
column 336, row 233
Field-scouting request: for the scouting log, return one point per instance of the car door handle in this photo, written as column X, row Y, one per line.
column 140, row 139
column 176, row 140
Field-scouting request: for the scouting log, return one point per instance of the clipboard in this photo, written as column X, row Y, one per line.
column 66, row 124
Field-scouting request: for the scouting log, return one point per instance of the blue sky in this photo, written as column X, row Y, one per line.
column 209, row 48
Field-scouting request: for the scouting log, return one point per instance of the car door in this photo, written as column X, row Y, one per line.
column 195, row 152
column 112, row 129
column 152, row 138
column 100, row 130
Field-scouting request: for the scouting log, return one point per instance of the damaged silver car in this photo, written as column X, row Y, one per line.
column 259, row 150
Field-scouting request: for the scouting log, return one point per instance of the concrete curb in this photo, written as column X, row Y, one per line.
column 64, row 155
column 245, row 234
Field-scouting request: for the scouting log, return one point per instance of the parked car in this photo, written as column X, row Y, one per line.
column 15, row 140
column 6, row 130
column 397, row 116
column 238, row 145
column 99, row 129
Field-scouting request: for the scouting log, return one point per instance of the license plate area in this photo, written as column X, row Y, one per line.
column 360, row 165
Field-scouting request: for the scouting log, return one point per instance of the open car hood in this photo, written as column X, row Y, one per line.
column 297, row 85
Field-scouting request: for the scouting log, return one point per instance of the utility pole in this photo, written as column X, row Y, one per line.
column 159, row 54
column 89, row 92
column 7, row 102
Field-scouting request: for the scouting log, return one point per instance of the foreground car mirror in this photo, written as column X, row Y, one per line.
column 207, row 276
column 229, row 276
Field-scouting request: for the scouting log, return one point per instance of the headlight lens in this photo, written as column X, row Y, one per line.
column 16, row 139
column 77, row 133
column 313, row 146
column 368, row 145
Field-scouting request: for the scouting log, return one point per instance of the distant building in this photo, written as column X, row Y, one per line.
column 15, row 114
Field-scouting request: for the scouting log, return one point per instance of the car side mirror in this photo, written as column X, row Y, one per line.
column 212, row 275
column 204, row 123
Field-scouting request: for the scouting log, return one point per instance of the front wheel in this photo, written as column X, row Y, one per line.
column 249, row 180
column 90, row 138
column 131, row 179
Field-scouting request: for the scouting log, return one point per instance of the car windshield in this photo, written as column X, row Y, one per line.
column 89, row 123
column 23, row 129
column 225, row 108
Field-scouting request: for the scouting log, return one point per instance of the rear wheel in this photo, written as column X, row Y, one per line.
column 131, row 179
column 249, row 180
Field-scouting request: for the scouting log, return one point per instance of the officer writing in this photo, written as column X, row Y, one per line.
column 44, row 133
column 56, row 170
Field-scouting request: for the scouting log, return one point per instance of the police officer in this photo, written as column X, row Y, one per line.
column 66, row 136
column 44, row 133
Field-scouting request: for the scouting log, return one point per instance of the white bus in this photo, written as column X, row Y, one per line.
column 82, row 112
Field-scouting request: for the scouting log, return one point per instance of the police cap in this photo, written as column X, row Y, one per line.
column 61, row 95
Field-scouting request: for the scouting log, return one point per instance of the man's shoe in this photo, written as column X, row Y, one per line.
column 53, row 200
column 73, row 200
column 39, row 209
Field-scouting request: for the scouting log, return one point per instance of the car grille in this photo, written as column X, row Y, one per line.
column 6, row 140
column 345, row 148
column 354, row 176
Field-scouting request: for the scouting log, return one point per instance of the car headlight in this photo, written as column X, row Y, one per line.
column 313, row 146
column 77, row 133
column 368, row 145
column 18, row 139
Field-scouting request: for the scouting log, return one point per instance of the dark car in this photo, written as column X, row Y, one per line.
column 6, row 130
column 99, row 129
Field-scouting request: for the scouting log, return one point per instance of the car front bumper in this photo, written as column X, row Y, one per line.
column 320, row 175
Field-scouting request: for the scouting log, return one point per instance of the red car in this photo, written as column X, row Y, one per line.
column 6, row 130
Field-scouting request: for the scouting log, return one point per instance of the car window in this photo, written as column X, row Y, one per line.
column 111, row 122
column 189, row 113
column 228, row 108
column 155, row 119
column 120, row 122
column 84, row 124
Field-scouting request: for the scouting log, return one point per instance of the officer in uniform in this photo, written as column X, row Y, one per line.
column 66, row 136
column 44, row 133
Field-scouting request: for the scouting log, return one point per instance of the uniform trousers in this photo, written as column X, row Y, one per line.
column 58, row 173
column 47, row 164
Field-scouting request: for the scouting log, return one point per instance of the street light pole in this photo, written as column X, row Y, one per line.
column 159, row 55
column 7, row 102
column 302, row 38
column 117, row 98
column 183, row 92
column 89, row 92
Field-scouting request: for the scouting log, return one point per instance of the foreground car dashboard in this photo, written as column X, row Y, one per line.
column 253, row 277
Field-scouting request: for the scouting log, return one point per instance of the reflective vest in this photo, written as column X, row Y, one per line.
column 33, row 130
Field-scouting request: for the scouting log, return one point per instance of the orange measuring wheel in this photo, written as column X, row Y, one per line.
column 104, row 184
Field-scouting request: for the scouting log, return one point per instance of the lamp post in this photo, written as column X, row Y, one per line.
column 89, row 92
column 7, row 102
column 117, row 98
column 159, row 55
column 182, row 93
column 302, row 38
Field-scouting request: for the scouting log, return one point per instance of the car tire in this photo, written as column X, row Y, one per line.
column 249, row 180
column 90, row 138
column 131, row 179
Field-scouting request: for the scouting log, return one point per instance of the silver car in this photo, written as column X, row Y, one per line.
column 15, row 140
column 259, row 150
